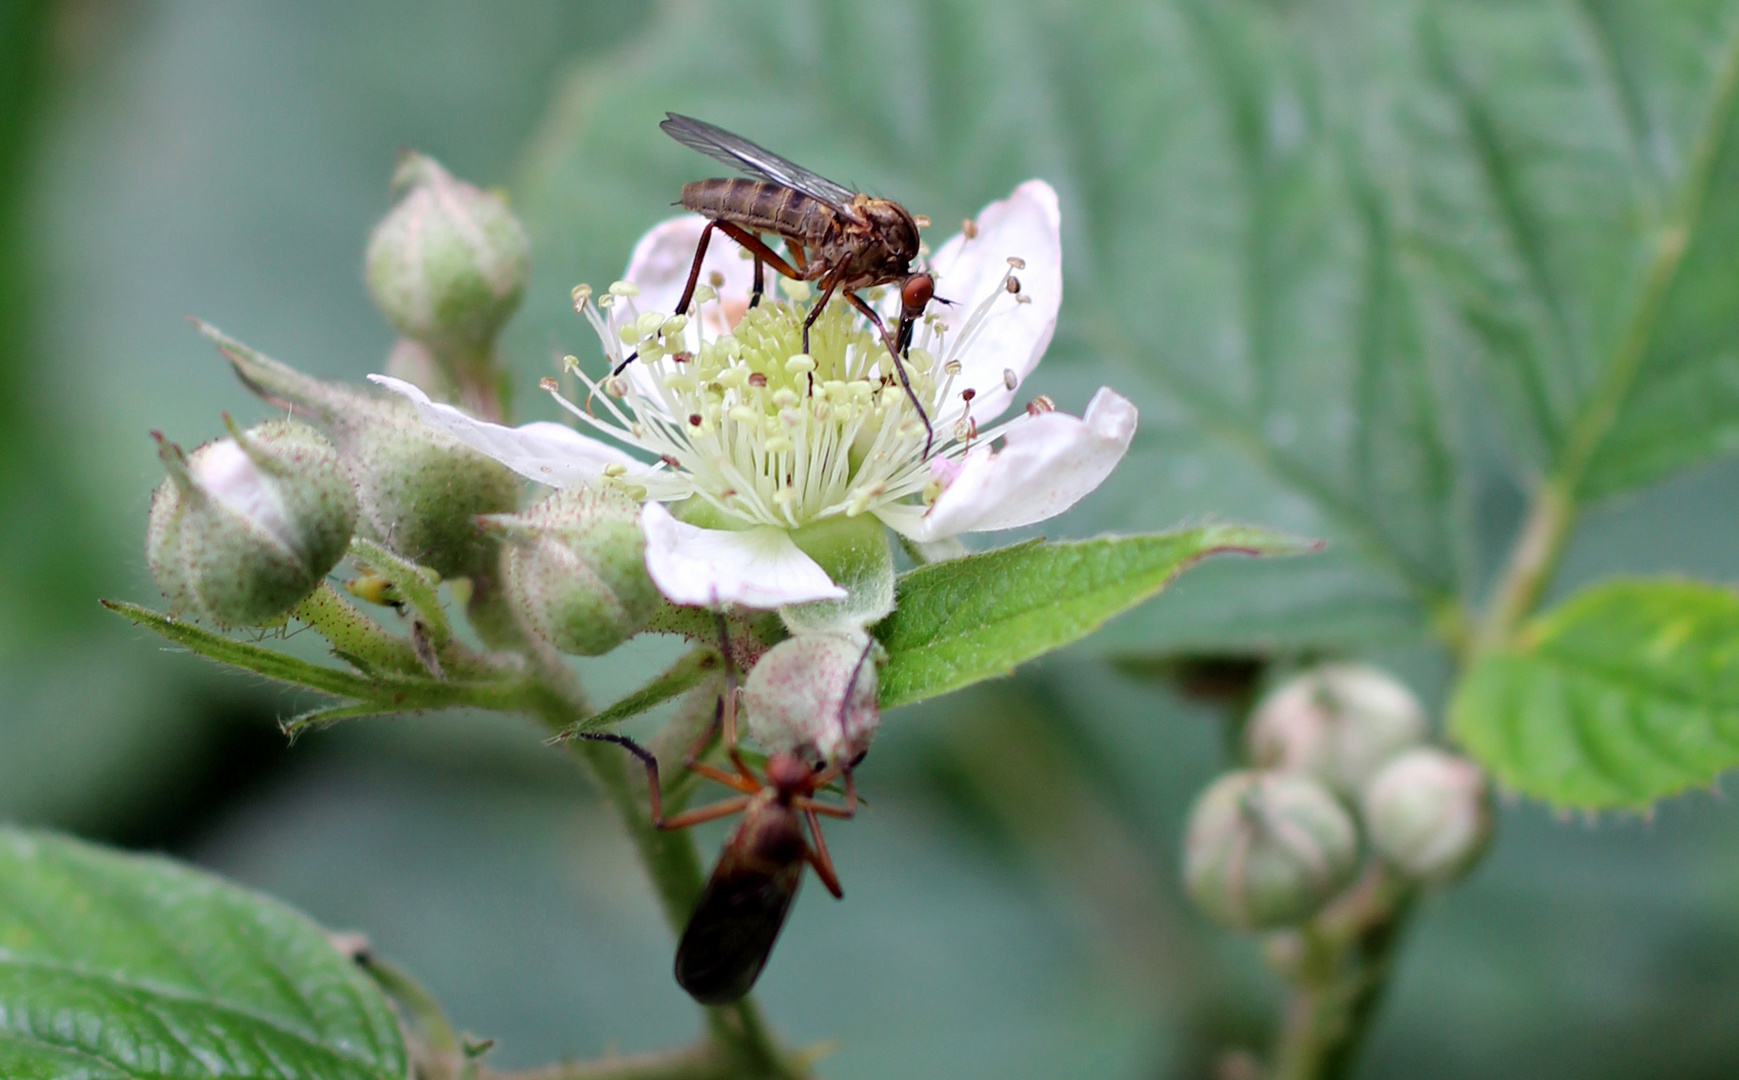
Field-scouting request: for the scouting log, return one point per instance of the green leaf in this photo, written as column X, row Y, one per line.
column 119, row 966
column 378, row 693
column 975, row 618
column 1626, row 694
column 687, row 673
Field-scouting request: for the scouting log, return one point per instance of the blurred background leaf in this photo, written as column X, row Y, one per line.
column 1278, row 239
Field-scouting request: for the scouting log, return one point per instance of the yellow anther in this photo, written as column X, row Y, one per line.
column 742, row 414
column 801, row 364
column 796, row 290
column 673, row 326
column 615, row 469
column 624, row 288
column 785, row 397
column 778, row 444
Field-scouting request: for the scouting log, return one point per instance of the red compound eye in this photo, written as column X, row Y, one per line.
column 915, row 294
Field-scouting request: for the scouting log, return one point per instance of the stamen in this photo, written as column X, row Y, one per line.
column 1040, row 405
column 1010, row 380
column 1017, row 262
column 969, row 229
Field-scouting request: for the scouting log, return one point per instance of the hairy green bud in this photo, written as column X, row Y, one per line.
column 1429, row 814
column 246, row 527
column 1264, row 850
column 421, row 491
column 576, row 569
column 814, row 695
column 1338, row 722
column 448, row 264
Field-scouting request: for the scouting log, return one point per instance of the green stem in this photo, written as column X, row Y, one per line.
column 1339, row 979
column 702, row 1062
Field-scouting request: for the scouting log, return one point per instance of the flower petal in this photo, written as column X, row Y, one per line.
column 758, row 568
column 661, row 261
column 1026, row 225
column 1046, row 465
column 548, row 453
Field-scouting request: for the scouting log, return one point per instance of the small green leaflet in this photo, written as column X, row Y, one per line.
column 1627, row 693
column 119, row 966
column 975, row 618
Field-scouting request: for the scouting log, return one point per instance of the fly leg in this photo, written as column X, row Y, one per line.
column 899, row 367
column 687, row 290
column 694, row 270
column 815, row 311
column 760, row 285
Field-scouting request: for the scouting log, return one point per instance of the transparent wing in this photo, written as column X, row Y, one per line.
column 745, row 156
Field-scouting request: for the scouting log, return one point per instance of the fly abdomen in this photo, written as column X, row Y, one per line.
column 759, row 206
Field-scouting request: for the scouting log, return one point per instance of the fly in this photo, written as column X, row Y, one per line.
column 731, row 932
column 839, row 239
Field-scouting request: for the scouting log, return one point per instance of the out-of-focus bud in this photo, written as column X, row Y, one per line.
column 814, row 695
column 576, row 569
column 1339, row 723
column 246, row 527
column 448, row 264
column 1264, row 850
column 1428, row 813
column 419, row 490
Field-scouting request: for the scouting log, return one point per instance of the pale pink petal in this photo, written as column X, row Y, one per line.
column 1046, row 465
column 757, row 568
column 548, row 453
column 660, row 265
column 1015, row 335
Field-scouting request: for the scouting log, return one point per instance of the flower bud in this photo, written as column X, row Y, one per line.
column 448, row 264
column 1264, row 849
column 421, row 490
column 1339, row 723
column 814, row 695
column 1428, row 813
column 246, row 527
column 576, row 569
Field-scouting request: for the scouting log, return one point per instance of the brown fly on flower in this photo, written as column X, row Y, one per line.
column 840, row 239
column 733, row 927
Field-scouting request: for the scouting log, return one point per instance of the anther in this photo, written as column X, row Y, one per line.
column 1017, row 262
column 548, row 385
column 922, row 221
column 952, row 367
column 682, row 357
column 1012, row 284
column 968, row 394
column 624, row 288
column 1040, row 405
column 756, row 379
column 969, row 228
column 1023, row 298
column 666, row 458
column 615, row 469
column 694, row 419
column 582, row 293
column 1009, row 379
column 716, row 279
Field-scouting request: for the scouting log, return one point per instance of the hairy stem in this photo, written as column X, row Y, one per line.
column 1338, row 978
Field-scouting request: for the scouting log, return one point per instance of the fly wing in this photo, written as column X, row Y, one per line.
column 731, row 933
column 745, row 156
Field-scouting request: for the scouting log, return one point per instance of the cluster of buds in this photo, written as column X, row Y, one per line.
column 1340, row 763
column 246, row 527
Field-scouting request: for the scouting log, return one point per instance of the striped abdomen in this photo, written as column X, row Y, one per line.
column 761, row 207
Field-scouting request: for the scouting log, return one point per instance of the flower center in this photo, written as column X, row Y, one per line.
column 761, row 430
